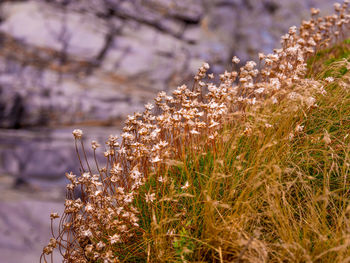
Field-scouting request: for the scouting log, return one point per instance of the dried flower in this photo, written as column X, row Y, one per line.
column 150, row 197
column 194, row 132
column 259, row 91
column 299, row 128
column 161, row 179
column 156, row 159
column 315, row 11
column 337, row 7
column 54, row 215
column 206, row 66
column 185, row 186
column 329, row 79
column 95, row 145
column 235, row 60
column 149, row 106
column 77, row 133
column 71, row 177
column 114, row 239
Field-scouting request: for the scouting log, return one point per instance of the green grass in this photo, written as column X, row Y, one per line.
column 328, row 56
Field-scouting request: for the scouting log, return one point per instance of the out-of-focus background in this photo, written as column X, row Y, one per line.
column 86, row 64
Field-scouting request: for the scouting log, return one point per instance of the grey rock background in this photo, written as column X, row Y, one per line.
column 87, row 64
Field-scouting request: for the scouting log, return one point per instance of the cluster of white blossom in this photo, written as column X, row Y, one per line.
column 105, row 215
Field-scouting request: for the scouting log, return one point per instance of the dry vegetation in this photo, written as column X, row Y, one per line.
column 252, row 169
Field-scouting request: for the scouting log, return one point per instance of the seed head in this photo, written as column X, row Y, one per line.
column 77, row 133
column 95, row 145
column 235, row 60
column 54, row 215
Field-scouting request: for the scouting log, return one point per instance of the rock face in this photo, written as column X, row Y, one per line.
column 25, row 221
column 89, row 61
column 42, row 154
column 23, row 232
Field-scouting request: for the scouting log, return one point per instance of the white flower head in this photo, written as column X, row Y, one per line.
column 259, row 91
column 150, row 197
column 337, row 7
column 193, row 131
column 156, row 159
column 117, row 169
column 88, row 208
column 261, row 56
column 100, row 245
column 292, row 30
column 329, row 79
column 135, row 174
column 87, row 233
column 95, row 145
column 185, row 186
column 206, row 66
column 213, row 124
column 161, row 179
column 310, row 101
column 299, row 128
column 149, row 106
column 252, row 101
column 275, row 83
column 54, row 215
column 70, row 176
column 77, row 133
column 86, row 175
column 235, row 60
column 114, row 239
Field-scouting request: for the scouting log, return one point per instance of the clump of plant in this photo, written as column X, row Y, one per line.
column 239, row 167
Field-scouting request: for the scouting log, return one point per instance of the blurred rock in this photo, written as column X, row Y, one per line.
column 48, row 154
column 43, row 25
column 25, row 221
column 108, row 62
column 28, row 101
